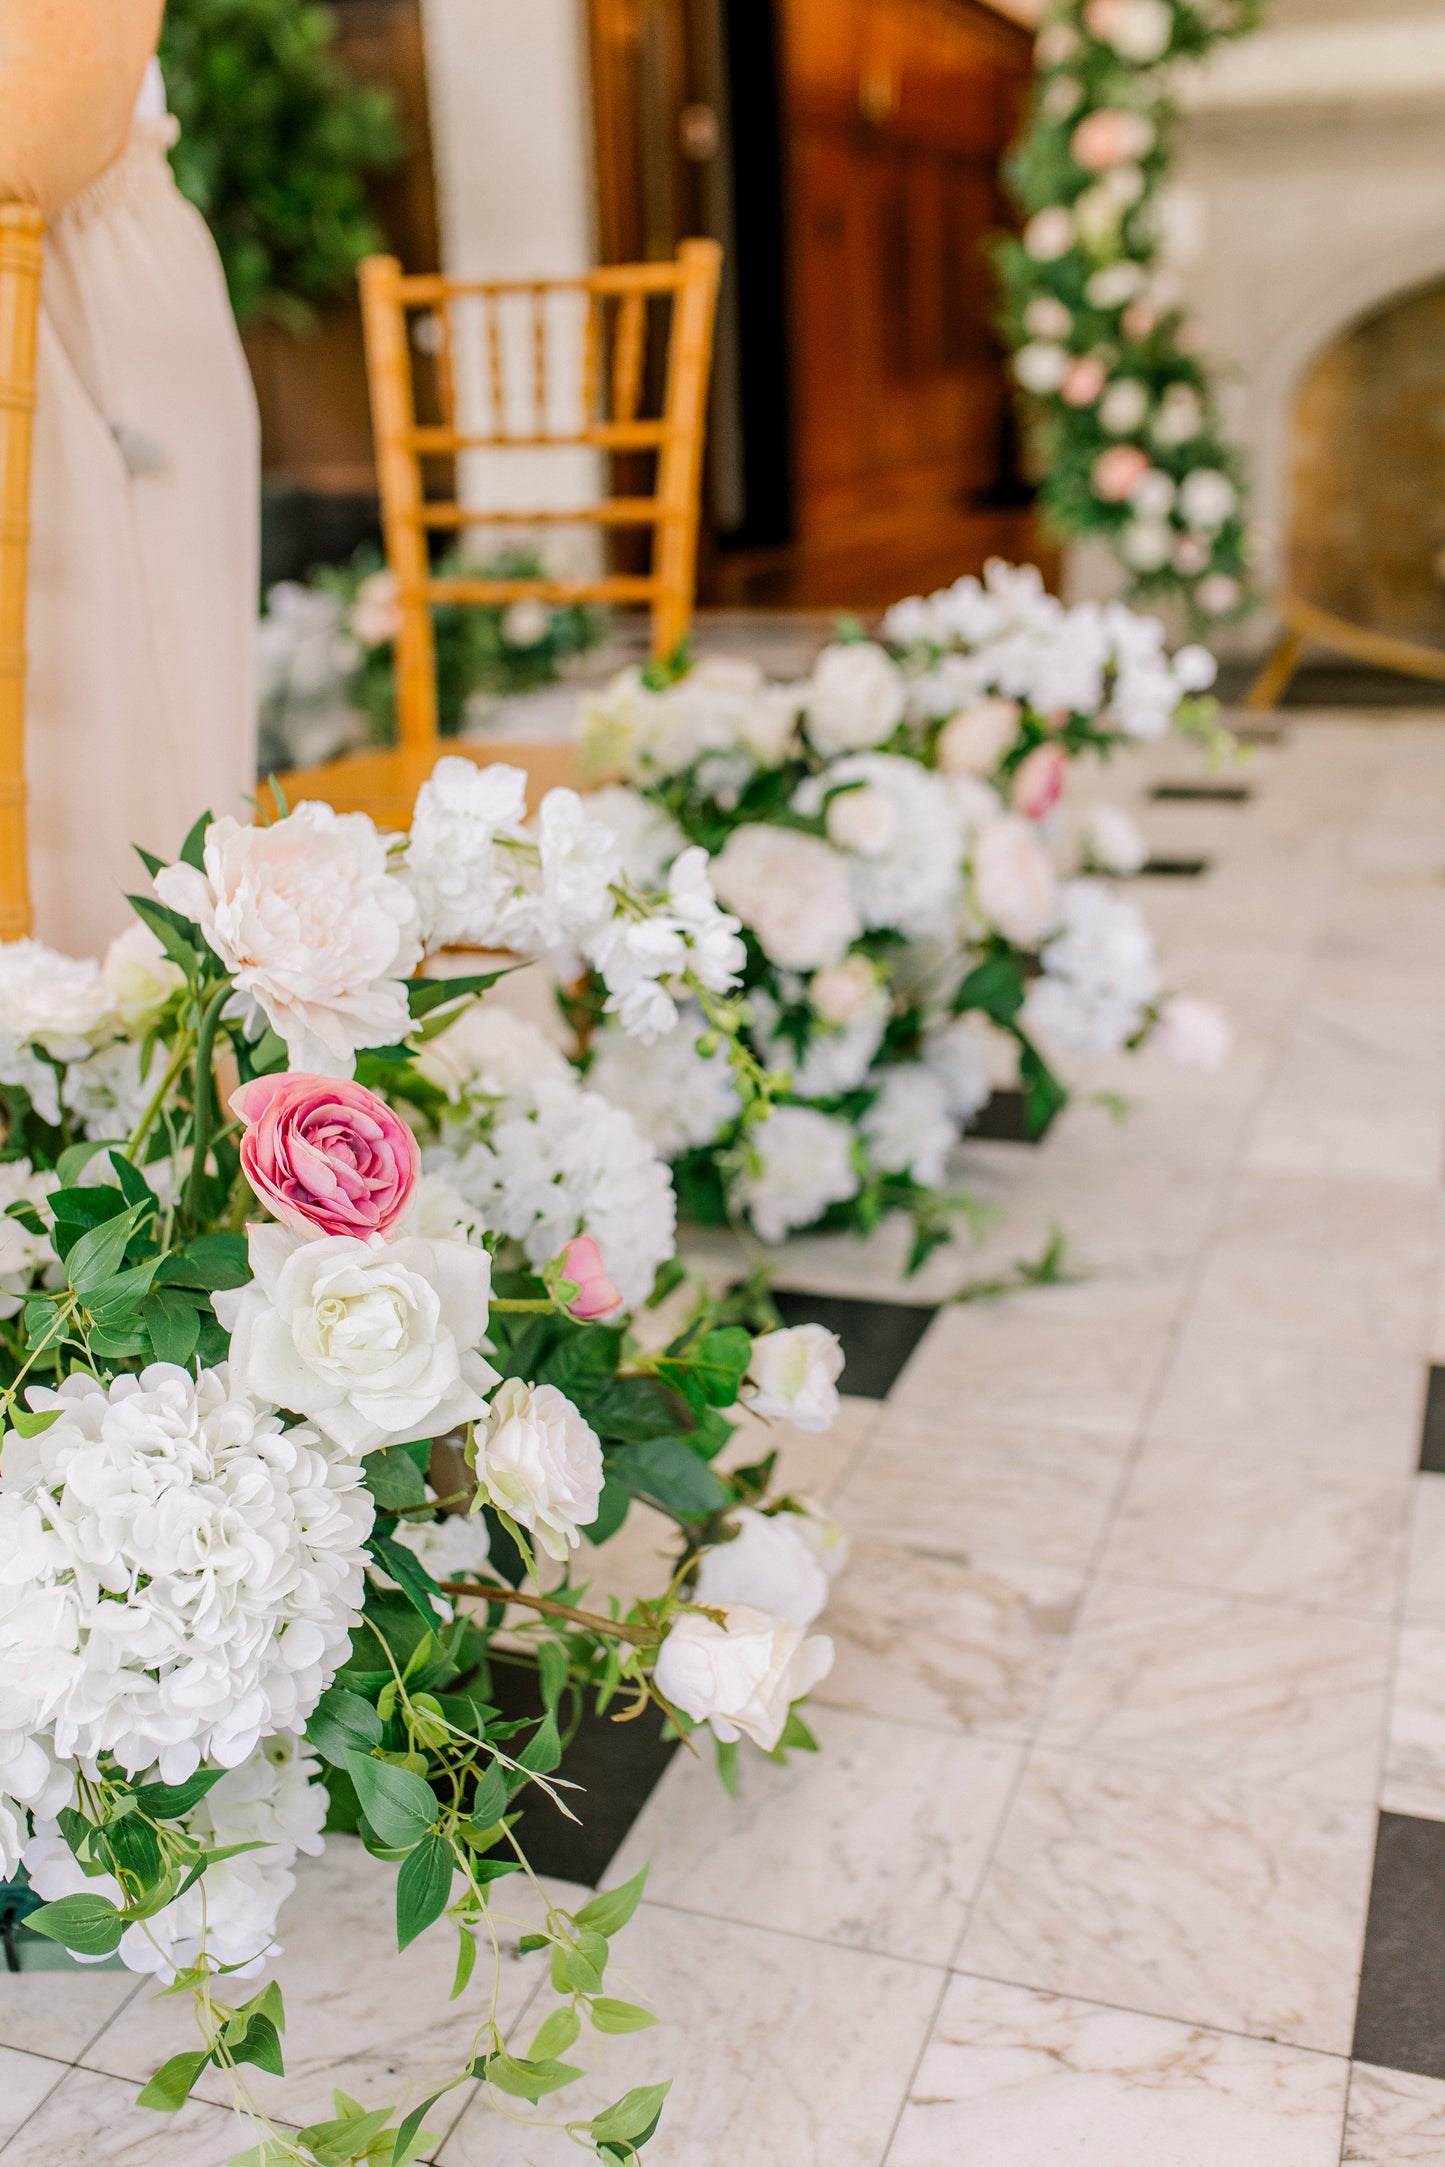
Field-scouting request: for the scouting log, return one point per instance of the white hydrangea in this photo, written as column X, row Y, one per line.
column 801, row 1162
column 491, row 1053
column 647, row 838
column 271, row 1799
column 1100, row 974
column 959, row 1054
column 649, row 962
column 644, row 735
column 836, row 1058
column 180, row 1574
column 678, row 1097
column 32, row 1783
column 316, row 928
column 910, row 875
column 24, row 1255
column 109, row 1091
column 569, row 1163
column 59, row 1003
column 908, row 1127
column 856, row 698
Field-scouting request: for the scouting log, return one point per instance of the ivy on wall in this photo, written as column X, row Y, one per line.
column 1121, row 412
column 276, row 140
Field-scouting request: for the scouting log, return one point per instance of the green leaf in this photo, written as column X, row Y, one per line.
column 259, row 2044
column 90, row 1925
column 553, row 1665
column 132, row 1183
column 583, row 1362
column 193, row 849
column 336, row 2144
column 174, row 1325
column 668, row 1473
column 410, row 1575
column 995, row 986
column 423, row 1888
column 612, row 1509
column 720, row 1363
column 343, row 1723
column 526, row 2079
column 489, row 1800
column 558, row 2033
column 634, row 1410
column 425, row 994
column 393, row 1478
column 610, row 1912
column 633, row 2118
column 619, row 2016
column 398, row 1806
column 466, row 1961
column 411, row 2134
column 174, row 2081
column 543, row 1749
column 76, row 1157
column 26, row 1424
column 96, row 1256
column 210, row 1261
column 577, row 1967
column 176, row 934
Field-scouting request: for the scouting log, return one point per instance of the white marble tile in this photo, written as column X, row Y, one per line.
column 1215, row 1903
column 971, row 1646
column 878, row 1841
column 955, row 1486
column 1019, row 2079
column 1415, row 1762
column 1397, row 1135
column 1082, row 1357
column 809, row 1460
column 25, row 2080
column 359, row 2014
column 1395, row 2119
column 782, row 2054
column 1340, row 1263
column 60, row 2012
column 1237, row 1388
column 1262, row 1525
column 93, row 2121
column 1425, row 1579
column 1259, row 1692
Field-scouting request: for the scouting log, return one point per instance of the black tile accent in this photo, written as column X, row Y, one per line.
column 878, row 1337
column 1173, row 868
column 1432, row 1428
column 617, row 1765
column 1402, row 1986
column 1000, row 1120
column 1203, row 793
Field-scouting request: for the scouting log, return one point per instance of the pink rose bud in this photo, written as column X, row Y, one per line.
column 326, row 1157
column 1110, row 137
column 1039, row 781
column 1118, row 471
column 1139, row 319
column 596, row 1295
column 1085, row 381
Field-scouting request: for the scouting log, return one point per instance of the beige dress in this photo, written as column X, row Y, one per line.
column 140, row 707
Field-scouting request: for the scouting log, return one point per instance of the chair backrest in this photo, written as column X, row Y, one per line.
column 21, row 229
column 537, row 365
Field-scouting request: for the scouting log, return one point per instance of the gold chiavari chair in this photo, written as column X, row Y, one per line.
column 505, row 388
column 21, row 230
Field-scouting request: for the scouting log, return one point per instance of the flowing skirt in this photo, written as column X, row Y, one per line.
column 140, row 701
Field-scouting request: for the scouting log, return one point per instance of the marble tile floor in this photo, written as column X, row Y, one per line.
column 1144, row 1627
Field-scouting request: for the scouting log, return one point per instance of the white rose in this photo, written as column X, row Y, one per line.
column 770, row 1564
column 314, row 926
column 1013, row 881
column 373, row 1341
column 1152, row 496
column 1123, row 406
column 742, row 1676
column 1114, row 840
column 856, row 698
column 140, row 977
column 46, row 999
column 1191, row 1033
column 1115, row 284
column 375, row 614
column 1180, row 416
column 793, row 891
column 1207, row 498
column 1049, row 234
column 769, row 727
column 1046, row 317
column 1146, row 544
column 864, row 820
column 541, row 1464
column 976, row 739
column 793, row 1377
column 526, row 623
column 845, row 992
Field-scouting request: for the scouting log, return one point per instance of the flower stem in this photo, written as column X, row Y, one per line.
column 640, row 1636
column 503, row 1302
column 202, row 1112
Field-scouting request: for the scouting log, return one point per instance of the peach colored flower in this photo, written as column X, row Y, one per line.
column 1118, row 472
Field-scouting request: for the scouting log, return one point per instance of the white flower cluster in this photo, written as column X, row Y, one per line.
column 23, row 1252
column 676, row 1095
column 272, row 1799
column 539, row 1158
column 799, row 1162
column 180, row 1573
column 60, row 1018
column 1100, row 974
column 1005, row 634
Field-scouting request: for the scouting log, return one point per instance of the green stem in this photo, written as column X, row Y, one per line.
column 637, row 1636
column 149, row 1117
column 501, row 1302
column 201, row 1117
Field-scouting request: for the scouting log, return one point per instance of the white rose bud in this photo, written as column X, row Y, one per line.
column 845, row 993
column 793, row 1374
column 541, row 1464
column 140, row 976
column 742, row 1676
column 770, row 1564
column 975, row 740
column 375, row 1341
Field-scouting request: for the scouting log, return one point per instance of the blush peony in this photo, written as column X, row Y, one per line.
column 326, row 1157
column 1013, row 882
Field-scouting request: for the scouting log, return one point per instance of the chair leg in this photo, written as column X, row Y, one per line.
column 1269, row 687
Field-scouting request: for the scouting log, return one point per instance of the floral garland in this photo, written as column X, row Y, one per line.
column 883, row 833
column 1124, row 416
column 316, row 1340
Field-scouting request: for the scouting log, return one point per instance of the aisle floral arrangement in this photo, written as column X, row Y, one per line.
column 326, row 651
column 1121, row 406
column 318, row 1366
column 882, row 832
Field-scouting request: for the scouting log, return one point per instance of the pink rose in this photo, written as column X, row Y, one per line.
column 1118, row 472
column 1139, row 319
column 1086, row 379
column 1111, row 137
column 596, row 1295
column 326, row 1157
column 1038, row 783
